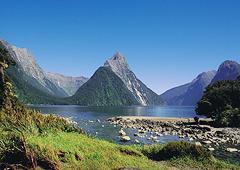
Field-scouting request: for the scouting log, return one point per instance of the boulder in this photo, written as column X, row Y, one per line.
column 232, row 149
column 125, row 138
column 198, row 144
column 211, row 149
column 136, row 141
column 122, row 133
column 207, row 142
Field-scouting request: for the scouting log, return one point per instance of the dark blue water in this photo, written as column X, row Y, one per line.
column 93, row 119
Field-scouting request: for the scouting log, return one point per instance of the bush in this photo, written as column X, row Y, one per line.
column 181, row 149
column 196, row 119
column 229, row 118
column 151, row 151
column 220, row 101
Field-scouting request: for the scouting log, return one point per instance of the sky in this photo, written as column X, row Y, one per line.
column 166, row 42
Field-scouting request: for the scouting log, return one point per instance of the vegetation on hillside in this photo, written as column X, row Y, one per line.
column 31, row 140
column 104, row 88
column 29, row 94
column 221, row 101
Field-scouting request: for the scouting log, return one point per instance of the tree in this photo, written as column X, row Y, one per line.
column 220, row 102
column 5, row 61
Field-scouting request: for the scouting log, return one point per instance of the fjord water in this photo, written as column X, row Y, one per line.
column 94, row 119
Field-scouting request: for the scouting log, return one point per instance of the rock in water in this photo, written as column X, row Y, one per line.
column 232, row 149
column 198, row 144
column 211, row 149
column 125, row 138
column 122, row 133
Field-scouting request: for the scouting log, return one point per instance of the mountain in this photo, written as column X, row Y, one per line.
column 173, row 96
column 33, row 85
column 104, row 88
column 34, row 74
column 69, row 84
column 28, row 93
column 140, row 91
column 228, row 70
column 190, row 93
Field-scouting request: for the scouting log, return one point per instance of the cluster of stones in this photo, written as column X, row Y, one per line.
column 202, row 134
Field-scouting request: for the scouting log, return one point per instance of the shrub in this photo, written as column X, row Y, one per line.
column 229, row 118
column 180, row 149
column 219, row 102
column 151, row 151
column 196, row 119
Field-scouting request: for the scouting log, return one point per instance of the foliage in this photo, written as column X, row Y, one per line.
column 175, row 150
column 31, row 140
column 204, row 164
column 104, row 88
column 220, row 102
column 29, row 94
column 230, row 117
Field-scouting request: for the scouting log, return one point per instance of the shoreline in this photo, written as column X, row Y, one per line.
column 222, row 139
column 161, row 119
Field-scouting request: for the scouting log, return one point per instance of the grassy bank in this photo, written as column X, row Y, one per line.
column 32, row 140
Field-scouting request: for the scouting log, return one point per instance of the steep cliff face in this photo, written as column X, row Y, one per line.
column 190, row 93
column 33, row 84
column 33, row 73
column 141, row 92
column 228, row 70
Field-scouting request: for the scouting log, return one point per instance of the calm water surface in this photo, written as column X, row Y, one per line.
column 93, row 119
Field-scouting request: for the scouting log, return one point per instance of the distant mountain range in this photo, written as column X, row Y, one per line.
column 114, row 83
column 190, row 93
column 33, row 84
column 69, row 84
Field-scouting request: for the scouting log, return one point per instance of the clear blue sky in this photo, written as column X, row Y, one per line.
column 166, row 42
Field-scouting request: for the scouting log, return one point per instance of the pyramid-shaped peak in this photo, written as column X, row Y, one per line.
column 117, row 60
column 117, row 56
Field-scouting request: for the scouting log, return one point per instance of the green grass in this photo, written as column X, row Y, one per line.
column 33, row 140
column 95, row 154
column 184, row 162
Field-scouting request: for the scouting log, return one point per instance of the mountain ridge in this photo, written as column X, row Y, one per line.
column 145, row 96
column 31, row 82
column 104, row 88
column 228, row 70
column 189, row 93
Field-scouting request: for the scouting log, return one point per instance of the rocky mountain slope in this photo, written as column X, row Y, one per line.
column 33, row 84
column 104, row 88
column 140, row 91
column 69, row 84
column 228, row 70
column 190, row 93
